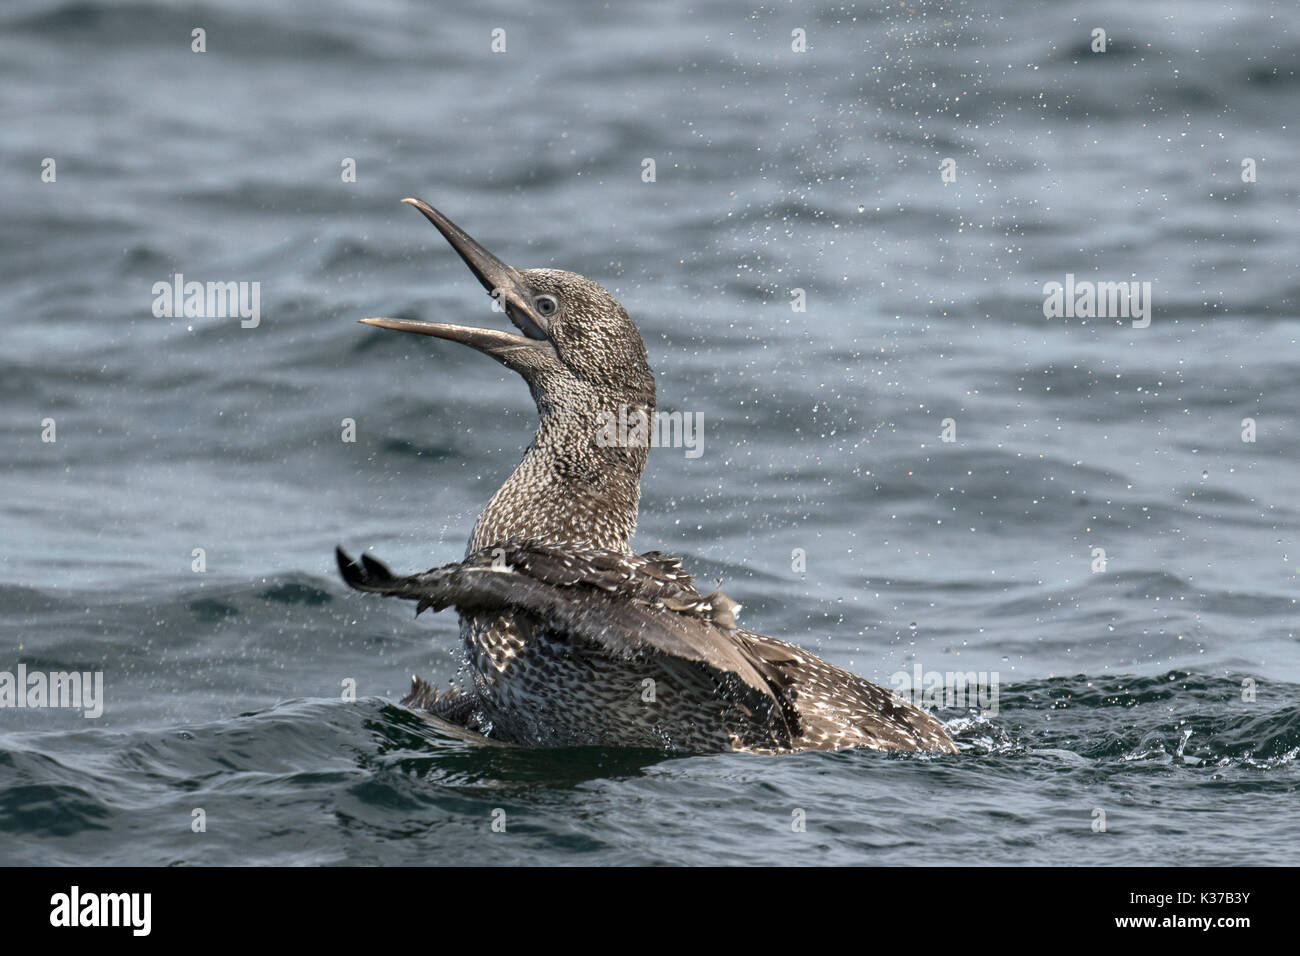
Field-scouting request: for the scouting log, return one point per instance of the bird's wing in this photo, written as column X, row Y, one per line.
column 627, row 603
column 880, row 719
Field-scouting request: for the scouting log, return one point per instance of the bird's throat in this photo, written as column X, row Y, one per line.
column 578, row 483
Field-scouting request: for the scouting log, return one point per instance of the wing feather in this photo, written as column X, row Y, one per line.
column 628, row 603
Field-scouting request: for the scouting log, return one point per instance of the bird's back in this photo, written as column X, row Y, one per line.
column 579, row 646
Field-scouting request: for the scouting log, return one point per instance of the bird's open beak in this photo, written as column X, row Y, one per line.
column 503, row 283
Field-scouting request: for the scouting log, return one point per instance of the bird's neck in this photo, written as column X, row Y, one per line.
column 579, row 482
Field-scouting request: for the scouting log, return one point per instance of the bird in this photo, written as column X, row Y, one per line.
column 570, row 637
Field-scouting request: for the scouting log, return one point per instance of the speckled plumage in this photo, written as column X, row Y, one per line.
column 570, row 637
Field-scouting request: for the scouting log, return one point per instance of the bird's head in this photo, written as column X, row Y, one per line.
column 576, row 341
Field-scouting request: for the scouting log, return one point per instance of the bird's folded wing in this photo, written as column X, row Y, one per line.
column 627, row 603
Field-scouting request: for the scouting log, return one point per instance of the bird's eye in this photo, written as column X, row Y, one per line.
column 546, row 305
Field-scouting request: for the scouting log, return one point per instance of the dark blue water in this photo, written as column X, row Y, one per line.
column 1124, row 691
